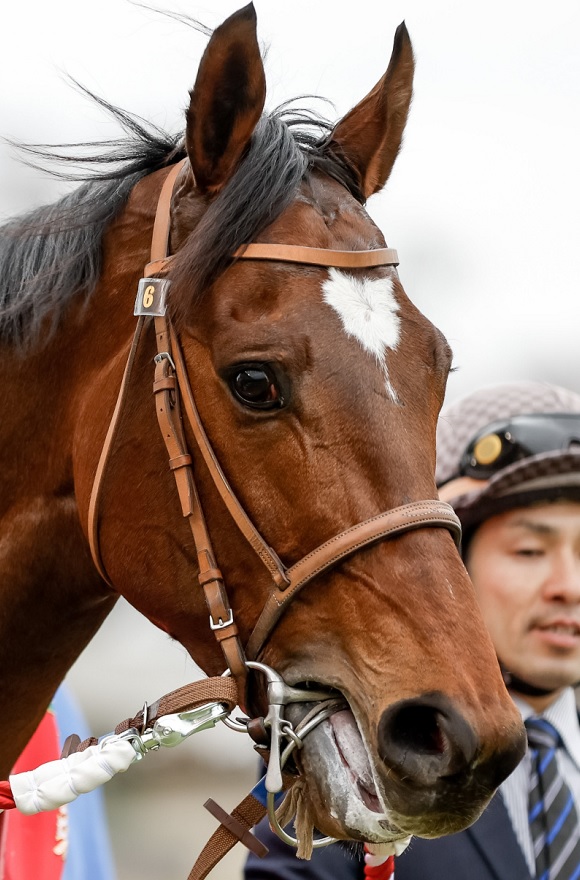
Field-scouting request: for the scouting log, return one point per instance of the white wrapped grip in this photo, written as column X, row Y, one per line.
column 60, row 782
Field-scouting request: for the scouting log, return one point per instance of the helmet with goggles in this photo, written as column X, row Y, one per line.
column 508, row 446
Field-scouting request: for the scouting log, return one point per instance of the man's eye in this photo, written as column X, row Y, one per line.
column 256, row 386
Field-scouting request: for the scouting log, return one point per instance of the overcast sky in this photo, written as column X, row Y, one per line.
column 483, row 203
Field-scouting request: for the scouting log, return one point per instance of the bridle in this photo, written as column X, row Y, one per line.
column 173, row 396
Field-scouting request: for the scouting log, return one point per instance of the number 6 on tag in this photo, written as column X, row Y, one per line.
column 151, row 297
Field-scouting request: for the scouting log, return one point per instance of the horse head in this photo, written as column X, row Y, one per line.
column 318, row 387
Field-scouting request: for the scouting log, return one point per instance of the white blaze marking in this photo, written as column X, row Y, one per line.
column 369, row 311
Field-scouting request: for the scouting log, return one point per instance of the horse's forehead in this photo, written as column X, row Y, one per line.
column 370, row 305
column 325, row 214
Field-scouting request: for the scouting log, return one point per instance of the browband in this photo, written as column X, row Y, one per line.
column 296, row 253
column 291, row 253
column 284, row 253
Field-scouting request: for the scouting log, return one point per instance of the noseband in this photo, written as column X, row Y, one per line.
column 173, row 395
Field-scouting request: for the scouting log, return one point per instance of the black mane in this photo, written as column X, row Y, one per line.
column 53, row 253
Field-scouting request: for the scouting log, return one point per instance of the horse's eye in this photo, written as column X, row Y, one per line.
column 256, row 386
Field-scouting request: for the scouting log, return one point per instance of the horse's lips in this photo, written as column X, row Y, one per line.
column 335, row 756
column 354, row 756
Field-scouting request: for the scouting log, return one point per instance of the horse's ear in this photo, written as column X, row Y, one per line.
column 226, row 101
column 370, row 135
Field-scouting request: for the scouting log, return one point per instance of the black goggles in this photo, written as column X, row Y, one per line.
column 504, row 442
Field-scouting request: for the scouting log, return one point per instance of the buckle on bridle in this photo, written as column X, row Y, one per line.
column 222, row 623
column 164, row 355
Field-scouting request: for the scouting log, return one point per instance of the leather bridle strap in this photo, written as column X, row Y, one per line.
column 159, row 245
column 307, row 256
column 285, row 253
column 408, row 517
column 167, row 403
column 162, row 222
column 93, row 513
column 236, row 511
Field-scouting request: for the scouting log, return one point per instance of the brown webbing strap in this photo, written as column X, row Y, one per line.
column 238, row 514
column 93, row 515
column 247, row 814
column 209, row 690
column 167, row 402
column 218, row 689
column 418, row 514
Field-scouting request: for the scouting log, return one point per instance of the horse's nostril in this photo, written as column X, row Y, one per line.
column 426, row 739
column 417, row 728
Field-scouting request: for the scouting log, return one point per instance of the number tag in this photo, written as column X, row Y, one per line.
column 152, row 297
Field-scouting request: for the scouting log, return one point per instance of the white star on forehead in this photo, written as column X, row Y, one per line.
column 369, row 312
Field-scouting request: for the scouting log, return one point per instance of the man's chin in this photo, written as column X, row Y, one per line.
column 543, row 681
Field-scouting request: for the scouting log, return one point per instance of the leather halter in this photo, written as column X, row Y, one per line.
column 173, row 394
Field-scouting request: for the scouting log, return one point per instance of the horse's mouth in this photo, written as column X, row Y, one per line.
column 336, row 759
column 354, row 758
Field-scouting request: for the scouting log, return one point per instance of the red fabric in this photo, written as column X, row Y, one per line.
column 6, row 799
column 34, row 847
column 386, row 871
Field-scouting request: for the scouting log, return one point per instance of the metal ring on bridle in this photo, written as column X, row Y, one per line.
column 325, row 712
column 279, row 694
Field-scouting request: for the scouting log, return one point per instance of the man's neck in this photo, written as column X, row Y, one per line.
column 538, row 703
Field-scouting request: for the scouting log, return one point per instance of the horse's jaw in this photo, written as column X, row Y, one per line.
column 345, row 790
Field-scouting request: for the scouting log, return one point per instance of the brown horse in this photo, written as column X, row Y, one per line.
column 319, row 389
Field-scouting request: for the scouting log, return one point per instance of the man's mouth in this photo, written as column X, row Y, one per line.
column 572, row 629
column 563, row 633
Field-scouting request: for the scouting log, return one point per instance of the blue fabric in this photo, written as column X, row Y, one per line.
column 89, row 848
column 553, row 817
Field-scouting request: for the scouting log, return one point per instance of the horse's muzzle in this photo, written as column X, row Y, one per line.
column 429, row 746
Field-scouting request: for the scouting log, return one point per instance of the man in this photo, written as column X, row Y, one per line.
column 508, row 460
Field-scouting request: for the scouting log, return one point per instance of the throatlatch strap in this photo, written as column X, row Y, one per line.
column 93, row 513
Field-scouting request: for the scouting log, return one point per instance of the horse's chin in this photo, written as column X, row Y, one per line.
column 344, row 795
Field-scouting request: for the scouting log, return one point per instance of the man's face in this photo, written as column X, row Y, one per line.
column 525, row 566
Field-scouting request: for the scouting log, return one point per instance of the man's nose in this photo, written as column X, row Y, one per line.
column 564, row 580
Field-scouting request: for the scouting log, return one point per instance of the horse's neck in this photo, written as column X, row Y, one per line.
column 49, row 588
